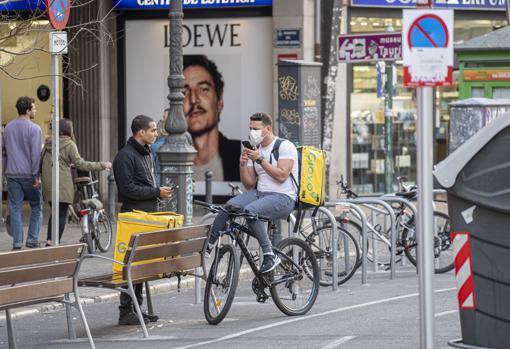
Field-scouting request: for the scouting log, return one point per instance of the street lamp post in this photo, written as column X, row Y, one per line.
column 177, row 154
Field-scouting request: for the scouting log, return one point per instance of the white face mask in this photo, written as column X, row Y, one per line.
column 256, row 137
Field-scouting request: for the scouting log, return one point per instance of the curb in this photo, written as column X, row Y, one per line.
column 161, row 287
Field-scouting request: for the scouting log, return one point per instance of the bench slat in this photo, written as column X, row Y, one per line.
column 39, row 290
column 164, row 266
column 168, row 250
column 111, row 281
column 40, row 255
column 31, row 302
column 171, row 235
column 37, row 273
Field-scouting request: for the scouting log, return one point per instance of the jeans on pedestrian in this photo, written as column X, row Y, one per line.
column 272, row 205
column 17, row 190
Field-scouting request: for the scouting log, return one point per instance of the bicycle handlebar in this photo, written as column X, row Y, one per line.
column 216, row 208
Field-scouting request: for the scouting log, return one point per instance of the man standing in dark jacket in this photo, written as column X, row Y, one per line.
column 134, row 174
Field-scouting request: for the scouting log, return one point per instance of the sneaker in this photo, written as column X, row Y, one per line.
column 130, row 319
column 269, row 263
column 31, row 244
column 16, row 248
column 151, row 318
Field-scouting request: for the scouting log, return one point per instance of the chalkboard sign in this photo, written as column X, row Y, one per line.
column 299, row 102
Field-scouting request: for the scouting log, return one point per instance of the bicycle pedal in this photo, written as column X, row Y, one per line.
column 262, row 298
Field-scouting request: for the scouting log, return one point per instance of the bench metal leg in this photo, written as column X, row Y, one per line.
column 150, row 308
column 83, row 319
column 131, row 291
column 198, row 286
column 71, row 332
column 11, row 334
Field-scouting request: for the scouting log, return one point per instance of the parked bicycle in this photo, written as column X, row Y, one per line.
column 94, row 222
column 293, row 284
column 406, row 242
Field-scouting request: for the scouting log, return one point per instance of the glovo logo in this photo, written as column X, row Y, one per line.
column 121, row 247
column 310, row 170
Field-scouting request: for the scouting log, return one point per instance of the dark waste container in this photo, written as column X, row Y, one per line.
column 477, row 179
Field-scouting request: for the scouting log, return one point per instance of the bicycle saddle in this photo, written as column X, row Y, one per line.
column 82, row 180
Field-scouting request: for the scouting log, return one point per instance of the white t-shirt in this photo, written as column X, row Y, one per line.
column 265, row 182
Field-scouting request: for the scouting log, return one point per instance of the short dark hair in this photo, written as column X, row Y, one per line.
column 266, row 119
column 140, row 122
column 210, row 66
column 24, row 104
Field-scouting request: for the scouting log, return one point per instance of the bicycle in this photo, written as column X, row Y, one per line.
column 406, row 230
column 95, row 224
column 293, row 284
column 318, row 235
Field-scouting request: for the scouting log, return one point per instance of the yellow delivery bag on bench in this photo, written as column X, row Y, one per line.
column 129, row 223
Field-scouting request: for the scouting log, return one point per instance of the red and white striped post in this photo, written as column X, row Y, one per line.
column 464, row 270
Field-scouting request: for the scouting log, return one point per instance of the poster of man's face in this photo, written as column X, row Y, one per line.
column 218, row 116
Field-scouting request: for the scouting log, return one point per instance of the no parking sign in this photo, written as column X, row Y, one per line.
column 428, row 47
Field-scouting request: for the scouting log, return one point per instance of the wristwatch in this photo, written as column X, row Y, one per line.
column 259, row 160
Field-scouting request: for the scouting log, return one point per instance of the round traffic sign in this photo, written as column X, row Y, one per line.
column 58, row 12
column 428, row 30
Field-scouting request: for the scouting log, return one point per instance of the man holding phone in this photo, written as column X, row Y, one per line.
column 273, row 191
column 133, row 168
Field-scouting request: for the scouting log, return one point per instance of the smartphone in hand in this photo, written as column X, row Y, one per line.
column 248, row 145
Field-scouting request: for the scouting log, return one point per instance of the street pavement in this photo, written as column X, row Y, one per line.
column 381, row 314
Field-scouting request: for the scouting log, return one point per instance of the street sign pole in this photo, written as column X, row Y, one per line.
column 55, row 146
column 425, row 218
column 58, row 15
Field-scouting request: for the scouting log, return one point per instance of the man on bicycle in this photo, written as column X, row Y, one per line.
column 271, row 184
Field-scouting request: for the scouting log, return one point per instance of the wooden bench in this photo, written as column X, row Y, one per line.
column 39, row 276
column 154, row 255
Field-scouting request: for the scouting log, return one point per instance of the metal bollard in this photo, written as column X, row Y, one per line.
column 111, row 196
column 208, row 187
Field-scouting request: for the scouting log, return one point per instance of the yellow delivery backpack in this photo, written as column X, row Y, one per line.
column 312, row 173
column 129, row 223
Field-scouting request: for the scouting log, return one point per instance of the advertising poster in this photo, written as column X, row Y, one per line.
column 241, row 49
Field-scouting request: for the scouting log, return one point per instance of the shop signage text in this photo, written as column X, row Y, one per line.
column 27, row 5
column 208, row 35
column 187, row 4
column 454, row 4
column 369, row 47
column 486, row 75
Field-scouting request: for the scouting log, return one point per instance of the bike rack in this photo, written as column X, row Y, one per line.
column 367, row 202
column 352, row 207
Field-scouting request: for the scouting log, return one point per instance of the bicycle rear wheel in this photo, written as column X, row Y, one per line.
column 443, row 249
column 221, row 285
column 102, row 229
column 295, row 281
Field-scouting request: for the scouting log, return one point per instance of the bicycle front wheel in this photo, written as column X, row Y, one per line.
column 295, row 281
column 102, row 229
column 221, row 285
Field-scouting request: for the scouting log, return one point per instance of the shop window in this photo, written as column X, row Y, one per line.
column 501, row 92
column 477, row 92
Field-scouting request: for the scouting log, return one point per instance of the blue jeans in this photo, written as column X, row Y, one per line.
column 18, row 189
column 272, row 205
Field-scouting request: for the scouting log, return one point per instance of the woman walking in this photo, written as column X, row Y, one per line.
column 68, row 155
